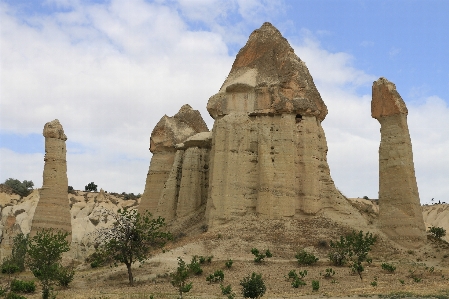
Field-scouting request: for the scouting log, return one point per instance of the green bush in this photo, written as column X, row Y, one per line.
column 260, row 256
column 66, row 275
column 305, row 258
column 12, row 295
column 16, row 261
column 229, row 263
column 297, row 280
column 227, row 291
column 437, row 232
column 354, row 249
column 179, row 278
column 9, row 267
column 329, row 273
column 20, row 188
column 195, row 266
column 22, row 286
column 253, row 286
column 388, row 267
column 216, row 277
column 90, row 187
column 315, row 285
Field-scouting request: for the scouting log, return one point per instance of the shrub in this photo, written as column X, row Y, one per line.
column 195, row 266
column 20, row 188
column 216, row 277
column 388, row 267
column 297, row 280
column 90, row 187
column 22, row 286
column 12, row 295
column 229, row 263
column 315, row 285
column 305, row 258
column 66, row 275
column 9, row 267
column 253, row 286
column 227, row 290
column 437, row 232
column 179, row 278
column 260, row 256
column 329, row 273
column 354, row 249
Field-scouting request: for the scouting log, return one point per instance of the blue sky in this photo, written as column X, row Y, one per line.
column 110, row 69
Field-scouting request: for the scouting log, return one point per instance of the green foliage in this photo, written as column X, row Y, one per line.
column 9, row 267
column 315, row 285
column 22, row 286
column 253, row 286
column 388, row 267
column 90, row 187
column 44, row 257
column 227, row 291
column 12, row 295
column 179, row 278
column 229, row 263
column 218, row 276
column 66, row 275
column 195, row 266
column 329, row 273
column 260, row 256
column 305, row 258
column 297, row 280
column 16, row 261
column 21, row 188
column 437, row 232
column 131, row 238
column 354, row 249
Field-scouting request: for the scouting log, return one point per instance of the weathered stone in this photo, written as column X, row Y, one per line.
column 400, row 214
column 53, row 210
column 168, row 132
column 267, row 77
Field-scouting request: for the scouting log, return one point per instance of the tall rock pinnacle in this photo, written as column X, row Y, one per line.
column 53, row 210
column 279, row 81
column 400, row 215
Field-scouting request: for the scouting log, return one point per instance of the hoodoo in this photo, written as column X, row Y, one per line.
column 53, row 210
column 400, row 215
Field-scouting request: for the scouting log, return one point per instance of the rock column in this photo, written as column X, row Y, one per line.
column 400, row 215
column 53, row 210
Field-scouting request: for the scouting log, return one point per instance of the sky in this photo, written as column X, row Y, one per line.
column 110, row 69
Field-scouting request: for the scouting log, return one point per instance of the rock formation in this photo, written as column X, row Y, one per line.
column 269, row 150
column 400, row 215
column 53, row 209
column 266, row 154
column 166, row 163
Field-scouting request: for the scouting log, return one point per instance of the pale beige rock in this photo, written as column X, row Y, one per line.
column 168, row 132
column 400, row 215
column 53, row 209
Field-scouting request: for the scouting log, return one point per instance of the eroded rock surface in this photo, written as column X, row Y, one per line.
column 53, row 209
column 400, row 215
column 168, row 132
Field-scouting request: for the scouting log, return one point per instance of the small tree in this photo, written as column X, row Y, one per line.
column 131, row 238
column 437, row 232
column 44, row 257
column 253, row 286
column 90, row 187
column 21, row 188
column 354, row 249
column 16, row 261
column 179, row 278
column 260, row 256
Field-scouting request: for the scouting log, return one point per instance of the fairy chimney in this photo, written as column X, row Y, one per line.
column 53, row 209
column 400, row 215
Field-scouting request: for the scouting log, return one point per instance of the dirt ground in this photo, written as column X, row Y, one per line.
column 421, row 272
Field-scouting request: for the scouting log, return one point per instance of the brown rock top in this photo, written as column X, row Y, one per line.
column 386, row 100
column 54, row 129
column 170, row 131
column 273, row 78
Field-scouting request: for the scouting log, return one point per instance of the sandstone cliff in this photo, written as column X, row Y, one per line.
column 400, row 215
column 53, row 209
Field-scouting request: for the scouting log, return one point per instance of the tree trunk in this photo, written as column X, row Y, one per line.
column 130, row 274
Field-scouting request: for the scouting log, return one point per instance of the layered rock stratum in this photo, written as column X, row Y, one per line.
column 400, row 215
column 53, row 209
